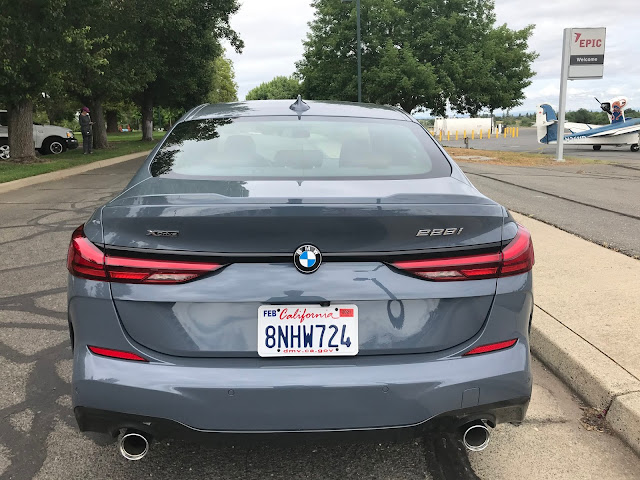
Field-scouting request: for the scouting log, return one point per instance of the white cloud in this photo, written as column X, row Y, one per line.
column 621, row 70
column 273, row 32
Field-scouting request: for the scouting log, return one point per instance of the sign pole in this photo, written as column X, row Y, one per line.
column 564, row 77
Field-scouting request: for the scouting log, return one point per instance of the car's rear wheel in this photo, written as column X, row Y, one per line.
column 53, row 146
column 597, row 147
column 4, row 150
column 635, row 148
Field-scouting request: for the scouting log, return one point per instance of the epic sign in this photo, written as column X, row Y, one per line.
column 587, row 53
column 588, row 42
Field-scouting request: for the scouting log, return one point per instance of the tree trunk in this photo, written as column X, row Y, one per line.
column 20, row 116
column 147, row 117
column 112, row 121
column 99, row 127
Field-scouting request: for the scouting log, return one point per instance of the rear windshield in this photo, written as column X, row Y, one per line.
column 309, row 148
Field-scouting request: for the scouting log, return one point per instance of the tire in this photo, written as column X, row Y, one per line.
column 635, row 148
column 597, row 147
column 4, row 150
column 53, row 146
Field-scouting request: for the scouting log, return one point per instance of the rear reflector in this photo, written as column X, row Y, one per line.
column 85, row 260
column 515, row 258
column 107, row 352
column 492, row 347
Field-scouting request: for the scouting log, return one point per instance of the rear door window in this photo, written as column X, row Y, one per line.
column 309, row 148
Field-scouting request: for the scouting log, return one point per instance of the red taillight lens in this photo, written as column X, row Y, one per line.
column 516, row 258
column 136, row 270
column 107, row 352
column 85, row 260
column 492, row 347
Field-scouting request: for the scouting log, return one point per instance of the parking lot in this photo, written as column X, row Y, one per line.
column 597, row 201
column 38, row 435
column 527, row 142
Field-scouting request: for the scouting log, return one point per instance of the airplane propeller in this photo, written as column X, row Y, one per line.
column 606, row 107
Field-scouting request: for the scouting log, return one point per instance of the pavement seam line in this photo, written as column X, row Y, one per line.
column 576, row 234
column 560, row 197
column 588, row 342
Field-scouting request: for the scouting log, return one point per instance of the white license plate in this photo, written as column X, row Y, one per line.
column 307, row 330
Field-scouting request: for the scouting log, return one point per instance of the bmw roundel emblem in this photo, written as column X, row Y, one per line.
column 307, row 259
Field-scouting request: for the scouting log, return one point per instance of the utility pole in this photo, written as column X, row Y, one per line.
column 359, row 52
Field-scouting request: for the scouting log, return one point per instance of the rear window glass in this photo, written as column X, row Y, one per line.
column 309, row 148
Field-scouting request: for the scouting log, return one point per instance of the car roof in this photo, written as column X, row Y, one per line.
column 281, row 108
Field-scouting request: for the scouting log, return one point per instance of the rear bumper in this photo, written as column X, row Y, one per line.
column 158, row 428
column 250, row 396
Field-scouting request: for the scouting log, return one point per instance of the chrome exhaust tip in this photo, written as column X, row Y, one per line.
column 133, row 445
column 476, row 436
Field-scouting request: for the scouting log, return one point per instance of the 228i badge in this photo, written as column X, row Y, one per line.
column 307, row 259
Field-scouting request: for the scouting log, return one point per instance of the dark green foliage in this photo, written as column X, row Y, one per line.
column 417, row 54
column 280, row 88
column 223, row 86
column 185, row 40
column 585, row 116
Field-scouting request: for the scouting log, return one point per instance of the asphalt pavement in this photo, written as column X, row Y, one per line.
column 39, row 438
column 527, row 142
column 596, row 201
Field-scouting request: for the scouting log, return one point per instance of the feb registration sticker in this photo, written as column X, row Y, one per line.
column 307, row 330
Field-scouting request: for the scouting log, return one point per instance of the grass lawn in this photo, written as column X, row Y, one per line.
column 120, row 144
column 515, row 159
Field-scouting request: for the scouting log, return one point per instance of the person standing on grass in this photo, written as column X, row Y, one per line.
column 86, row 127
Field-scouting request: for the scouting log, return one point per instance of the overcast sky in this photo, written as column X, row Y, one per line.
column 273, row 31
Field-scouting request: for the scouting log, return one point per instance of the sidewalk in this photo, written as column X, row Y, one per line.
column 586, row 325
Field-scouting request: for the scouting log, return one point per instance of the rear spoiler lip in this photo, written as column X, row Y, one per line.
column 279, row 257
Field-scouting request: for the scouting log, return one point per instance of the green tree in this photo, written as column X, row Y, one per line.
column 495, row 72
column 181, row 36
column 124, row 69
column 36, row 38
column 580, row 116
column 279, row 88
column 583, row 115
column 223, row 87
column 417, row 54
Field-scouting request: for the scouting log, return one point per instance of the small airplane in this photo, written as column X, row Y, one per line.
column 619, row 132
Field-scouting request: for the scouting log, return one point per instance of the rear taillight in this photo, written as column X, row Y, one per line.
column 85, row 260
column 492, row 347
column 515, row 258
column 108, row 352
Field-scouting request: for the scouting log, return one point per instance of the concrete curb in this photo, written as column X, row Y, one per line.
column 594, row 376
column 68, row 172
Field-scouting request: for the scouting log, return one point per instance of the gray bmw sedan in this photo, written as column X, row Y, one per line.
column 306, row 268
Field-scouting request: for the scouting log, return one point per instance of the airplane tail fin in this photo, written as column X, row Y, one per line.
column 547, row 124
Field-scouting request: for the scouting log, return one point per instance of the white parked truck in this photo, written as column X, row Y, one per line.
column 48, row 139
